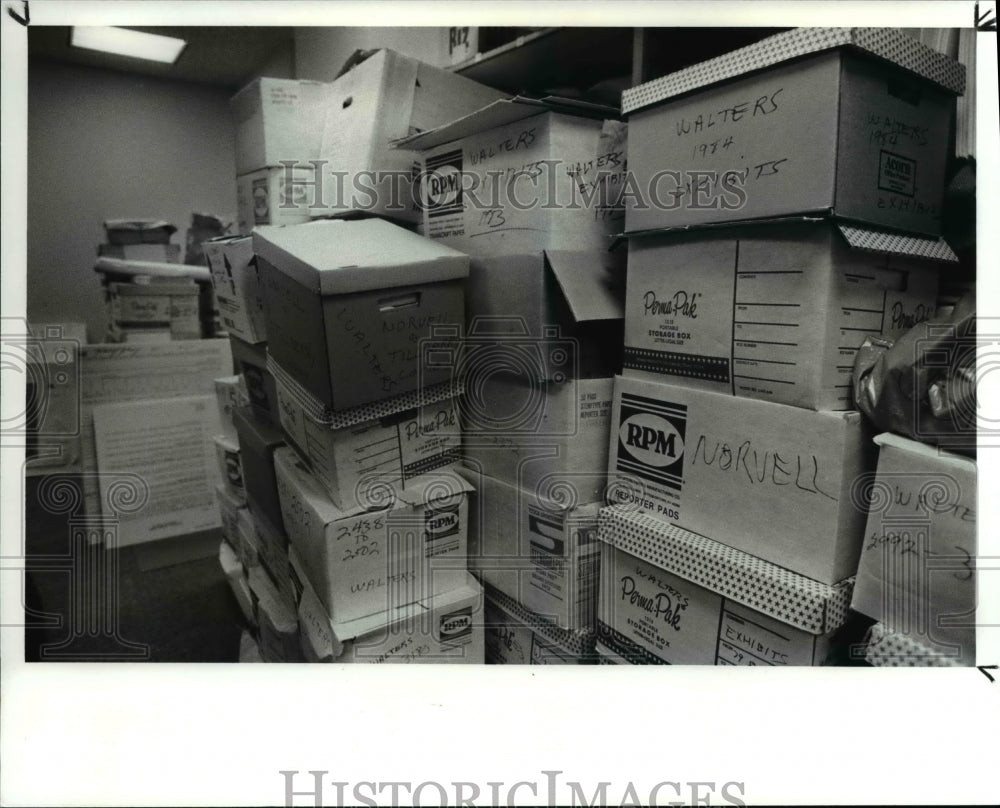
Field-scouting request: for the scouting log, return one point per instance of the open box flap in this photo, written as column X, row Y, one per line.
column 879, row 241
column 590, row 282
column 885, row 43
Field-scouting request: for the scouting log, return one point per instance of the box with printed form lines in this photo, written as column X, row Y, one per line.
column 393, row 441
column 408, row 545
column 772, row 480
column 669, row 596
column 775, row 311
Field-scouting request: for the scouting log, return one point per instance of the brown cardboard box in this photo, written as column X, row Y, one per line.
column 385, row 97
column 540, row 436
column 917, row 570
column 517, row 177
column 772, row 480
column 361, row 562
column 371, row 446
column 853, row 121
column 773, row 311
column 445, row 628
column 237, row 286
column 516, row 636
column 668, row 596
column 348, row 303
column 542, row 552
column 277, row 119
column 251, row 362
column 566, row 307
column 277, row 622
column 274, row 195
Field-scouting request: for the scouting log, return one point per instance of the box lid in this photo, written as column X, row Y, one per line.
column 122, row 266
column 501, row 113
column 879, row 241
column 340, row 256
column 139, row 225
column 588, row 281
column 933, row 454
column 785, row 595
column 577, row 643
column 887, row 649
column 320, row 414
column 886, row 43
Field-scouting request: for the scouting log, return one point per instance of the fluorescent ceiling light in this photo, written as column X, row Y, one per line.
column 137, row 44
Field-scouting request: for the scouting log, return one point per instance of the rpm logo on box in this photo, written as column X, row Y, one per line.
column 456, row 627
column 439, row 185
column 441, row 523
column 651, row 440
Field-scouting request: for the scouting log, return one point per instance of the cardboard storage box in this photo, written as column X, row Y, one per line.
column 276, row 120
column 385, row 97
column 229, row 513
column 276, row 195
column 444, row 628
column 227, row 452
column 138, row 231
column 368, row 447
column 849, row 121
column 233, row 570
column 172, row 304
column 516, row 636
column 251, row 362
column 540, row 551
column 161, row 253
column 365, row 561
column 272, row 553
column 546, row 315
column 772, row 480
column 238, row 291
column 230, row 392
column 348, row 303
column 277, row 621
column 671, row 596
column 258, row 441
column 540, row 435
column 773, row 311
column 517, row 177
column 248, row 547
column 890, row 649
column 917, row 570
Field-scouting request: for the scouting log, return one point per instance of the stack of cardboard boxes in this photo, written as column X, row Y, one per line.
column 787, row 205
column 526, row 189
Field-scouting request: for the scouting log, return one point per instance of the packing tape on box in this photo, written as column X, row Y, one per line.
column 889, row 649
column 314, row 409
column 787, row 596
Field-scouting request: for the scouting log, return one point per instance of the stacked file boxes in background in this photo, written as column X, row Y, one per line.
column 735, row 456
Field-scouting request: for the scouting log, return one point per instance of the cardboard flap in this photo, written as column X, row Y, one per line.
column 500, row 113
column 888, row 649
column 433, row 485
column 931, row 249
column 590, row 284
column 319, row 414
column 932, row 454
column 281, row 614
column 340, row 256
column 785, row 595
column 886, row 43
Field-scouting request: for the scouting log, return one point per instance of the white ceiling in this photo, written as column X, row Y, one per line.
column 222, row 56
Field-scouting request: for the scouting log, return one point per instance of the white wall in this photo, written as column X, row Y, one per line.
column 321, row 52
column 105, row 145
